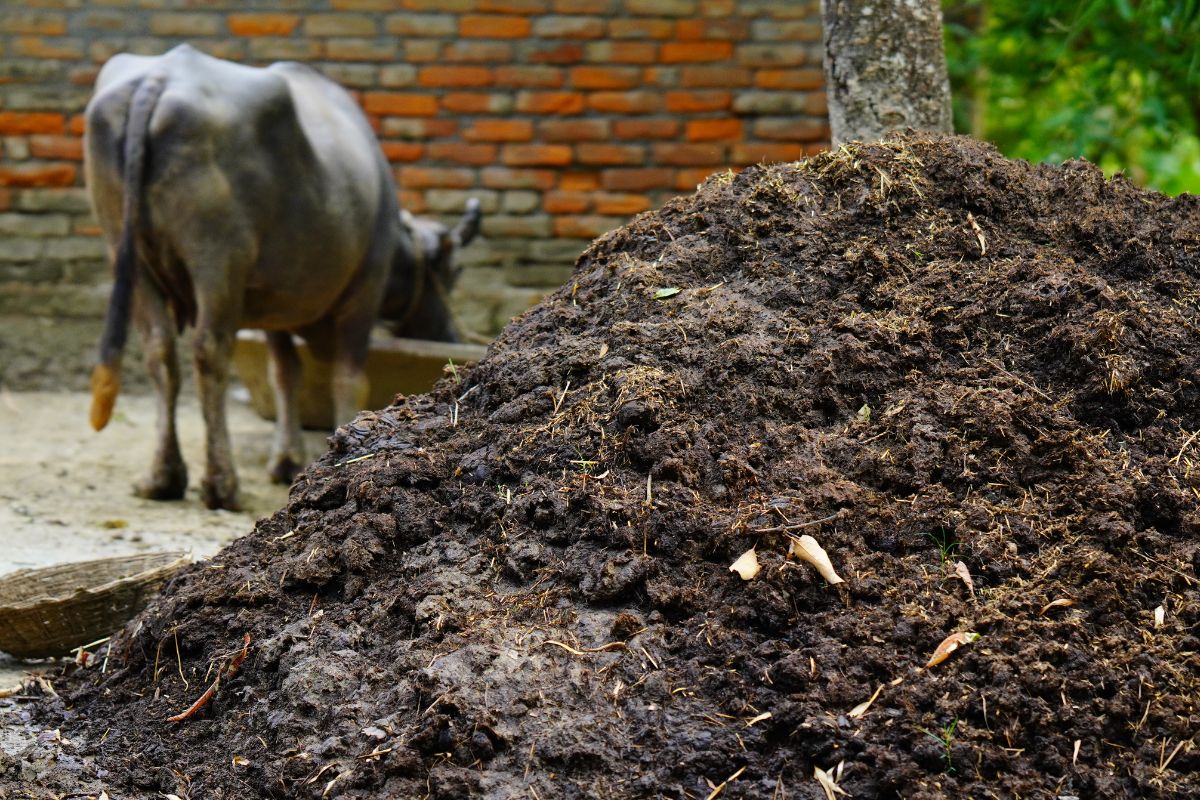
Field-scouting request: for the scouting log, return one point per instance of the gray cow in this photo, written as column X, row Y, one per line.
column 238, row 197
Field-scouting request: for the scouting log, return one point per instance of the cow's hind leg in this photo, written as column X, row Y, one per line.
column 168, row 474
column 213, row 347
column 351, row 389
column 287, row 449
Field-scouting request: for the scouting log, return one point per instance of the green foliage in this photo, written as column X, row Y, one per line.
column 1114, row 81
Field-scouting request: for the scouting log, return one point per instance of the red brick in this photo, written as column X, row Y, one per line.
column 43, row 23
column 31, row 175
column 625, row 102
column 550, row 102
column 63, row 49
column 422, row 51
column 262, row 24
column 760, row 152
column 5, row 196
column 562, row 27
column 476, row 103
column 714, row 130
column 621, row 52
column 583, row 6
column 724, row 76
column 536, row 155
column 461, row 153
column 802, row 79
column 446, row 6
column 610, row 154
column 455, row 77
column 83, row 76
column 507, row 178
column 686, row 180
column 514, row 6
column 772, row 55
column 360, row 50
column 640, row 28
column 791, row 129
column 17, row 123
column 56, row 148
column 340, row 25
column 691, row 52
column 573, row 130
column 499, row 130
column 579, row 181
column 565, row 53
column 584, row 227
column 605, row 77
column 636, row 180
column 77, row 124
column 566, row 202
column 478, row 26
column 363, row 5
column 400, row 104
column 723, row 8
column 420, row 128
column 437, row 177
column 402, row 151
column 646, row 128
column 621, row 204
column 478, row 52
column 689, row 155
column 525, row 76
column 691, row 102
column 413, row 202
column 692, row 29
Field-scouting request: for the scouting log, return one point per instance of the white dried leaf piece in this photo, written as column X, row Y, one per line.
column 806, row 548
column 746, row 565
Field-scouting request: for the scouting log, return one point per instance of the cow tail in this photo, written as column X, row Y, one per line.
column 106, row 376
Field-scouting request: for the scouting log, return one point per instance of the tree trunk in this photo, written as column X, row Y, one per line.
column 885, row 67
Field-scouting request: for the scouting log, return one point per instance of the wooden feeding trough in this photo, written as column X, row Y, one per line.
column 47, row 612
column 394, row 366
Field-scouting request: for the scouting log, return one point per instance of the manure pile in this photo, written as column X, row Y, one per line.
column 973, row 381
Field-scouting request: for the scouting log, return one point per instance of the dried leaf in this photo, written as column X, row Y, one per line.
column 949, row 645
column 670, row 291
column 827, row 783
column 766, row 715
column 862, row 707
column 1160, row 615
column 806, row 548
column 1061, row 602
column 241, row 761
column 964, row 574
column 864, row 413
column 603, row 349
column 746, row 565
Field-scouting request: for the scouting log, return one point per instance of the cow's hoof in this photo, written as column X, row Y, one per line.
column 220, row 497
column 284, row 469
column 164, row 484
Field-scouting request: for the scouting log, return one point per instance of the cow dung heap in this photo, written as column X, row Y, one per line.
column 969, row 379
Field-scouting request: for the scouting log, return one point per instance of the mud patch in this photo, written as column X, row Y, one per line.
column 518, row 584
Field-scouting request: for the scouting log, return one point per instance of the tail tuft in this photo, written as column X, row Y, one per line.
column 105, row 385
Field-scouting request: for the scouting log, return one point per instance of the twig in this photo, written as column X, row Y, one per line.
column 601, row 649
column 795, row 526
column 234, row 664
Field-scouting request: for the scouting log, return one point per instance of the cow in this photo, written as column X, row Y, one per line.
column 236, row 197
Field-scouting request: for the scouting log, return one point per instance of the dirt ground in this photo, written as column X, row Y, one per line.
column 64, row 489
column 971, row 381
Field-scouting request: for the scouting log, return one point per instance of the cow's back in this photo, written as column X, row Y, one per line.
column 274, row 171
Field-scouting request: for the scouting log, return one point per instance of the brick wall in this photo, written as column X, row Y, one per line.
column 565, row 117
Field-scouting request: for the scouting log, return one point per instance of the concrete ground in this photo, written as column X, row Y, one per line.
column 65, row 490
